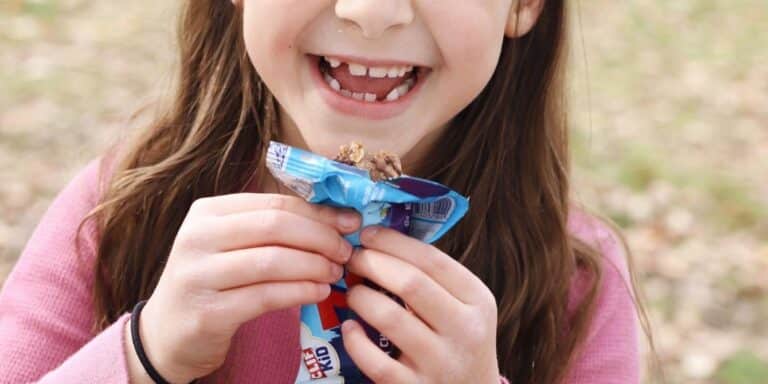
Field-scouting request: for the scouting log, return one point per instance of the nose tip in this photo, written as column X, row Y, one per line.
column 375, row 17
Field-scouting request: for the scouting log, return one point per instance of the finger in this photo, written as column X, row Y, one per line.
column 449, row 273
column 266, row 264
column 345, row 220
column 401, row 327
column 273, row 227
column 241, row 304
column 372, row 361
column 431, row 302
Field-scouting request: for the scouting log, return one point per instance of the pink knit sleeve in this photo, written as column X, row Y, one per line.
column 45, row 304
column 610, row 352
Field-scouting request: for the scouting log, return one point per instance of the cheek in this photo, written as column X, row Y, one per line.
column 271, row 28
column 473, row 57
column 470, row 40
column 265, row 36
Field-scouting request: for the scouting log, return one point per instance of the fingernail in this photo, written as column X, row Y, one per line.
column 368, row 233
column 337, row 270
column 348, row 326
column 351, row 255
column 347, row 251
column 348, row 220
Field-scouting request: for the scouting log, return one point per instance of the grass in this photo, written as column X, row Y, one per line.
column 732, row 205
column 44, row 9
column 743, row 368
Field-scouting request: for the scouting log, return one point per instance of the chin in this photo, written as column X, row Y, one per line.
column 328, row 144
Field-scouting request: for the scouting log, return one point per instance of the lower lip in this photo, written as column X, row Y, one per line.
column 378, row 110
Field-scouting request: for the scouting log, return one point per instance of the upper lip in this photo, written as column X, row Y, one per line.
column 369, row 62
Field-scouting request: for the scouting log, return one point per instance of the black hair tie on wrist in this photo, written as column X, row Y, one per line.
column 151, row 371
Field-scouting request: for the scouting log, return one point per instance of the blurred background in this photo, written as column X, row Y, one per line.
column 670, row 114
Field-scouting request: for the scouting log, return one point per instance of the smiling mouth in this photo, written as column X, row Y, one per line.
column 375, row 84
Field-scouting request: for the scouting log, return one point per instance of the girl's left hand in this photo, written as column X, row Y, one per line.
column 450, row 335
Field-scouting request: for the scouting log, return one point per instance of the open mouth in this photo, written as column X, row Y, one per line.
column 374, row 84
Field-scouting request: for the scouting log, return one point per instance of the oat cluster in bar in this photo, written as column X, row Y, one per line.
column 381, row 166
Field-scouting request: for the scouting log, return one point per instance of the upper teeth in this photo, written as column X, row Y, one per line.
column 356, row 69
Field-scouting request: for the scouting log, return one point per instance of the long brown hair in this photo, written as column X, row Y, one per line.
column 507, row 150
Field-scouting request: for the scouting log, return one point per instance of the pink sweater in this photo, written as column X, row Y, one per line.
column 46, row 313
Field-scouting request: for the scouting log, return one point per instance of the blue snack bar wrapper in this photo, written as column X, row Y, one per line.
column 420, row 208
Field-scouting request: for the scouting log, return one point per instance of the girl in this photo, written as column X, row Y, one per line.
column 469, row 92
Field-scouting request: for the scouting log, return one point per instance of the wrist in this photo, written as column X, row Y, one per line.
column 136, row 372
column 152, row 345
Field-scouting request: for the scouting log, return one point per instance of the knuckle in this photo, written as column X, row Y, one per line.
column 266, row 259
column 325, row 213
column 187, row 281
column 342, row 247
column 389, row 316
column 183, row 278
column 379, row 372
column 277, row 202
column 270, row 222
column 307, row 289
column 439, row 264
column 486, row 301
column 475, row 328
column 173, row 278
column 313, row 290
column 205, row 235
column 196, row 233
column 188, row 231
column 200, row 205
column 411, row 286
column 267, row 300
column 310, row 291
column 491, row 305
column 432, row 264
column 354, row 296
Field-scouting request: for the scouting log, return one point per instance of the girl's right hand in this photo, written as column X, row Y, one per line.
column 235, row 258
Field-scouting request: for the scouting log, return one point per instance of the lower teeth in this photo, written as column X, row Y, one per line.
column 393, row 95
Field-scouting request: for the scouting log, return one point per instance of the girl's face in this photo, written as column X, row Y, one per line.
column 389, row 74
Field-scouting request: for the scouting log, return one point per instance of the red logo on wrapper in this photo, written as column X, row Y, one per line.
column 337, row 299
column 313, row 365
column 327, row 308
